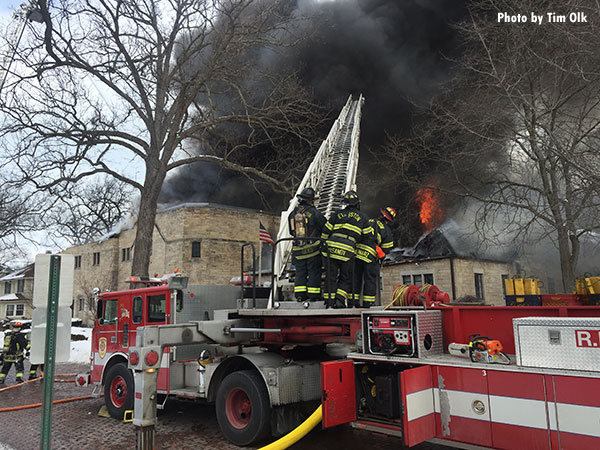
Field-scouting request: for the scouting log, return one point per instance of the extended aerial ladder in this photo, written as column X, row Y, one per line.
column 331, row 173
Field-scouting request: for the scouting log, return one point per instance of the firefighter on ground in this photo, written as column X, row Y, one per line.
column 15, row 345
column 369, row 256
column 306, row 221
column 342, row 232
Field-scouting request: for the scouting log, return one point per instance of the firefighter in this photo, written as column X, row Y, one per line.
column 306, row 221
column 15, row 344
column 344, row 229
column 369, row 256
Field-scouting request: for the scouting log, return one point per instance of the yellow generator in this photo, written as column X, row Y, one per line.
column 522, row 292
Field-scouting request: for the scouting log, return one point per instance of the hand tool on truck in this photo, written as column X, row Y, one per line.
column 480, row 349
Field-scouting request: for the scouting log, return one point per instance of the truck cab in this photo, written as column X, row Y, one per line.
column 119, row 315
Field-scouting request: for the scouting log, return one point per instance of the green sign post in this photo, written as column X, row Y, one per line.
column 53, row 291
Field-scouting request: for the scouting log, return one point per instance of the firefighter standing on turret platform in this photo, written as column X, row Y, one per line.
column 369, row 256
column 342, row 232
column 306, row 221
column 16, row 347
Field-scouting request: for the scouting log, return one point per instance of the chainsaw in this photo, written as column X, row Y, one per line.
column 481, row 349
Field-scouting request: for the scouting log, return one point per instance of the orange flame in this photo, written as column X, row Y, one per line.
column 431, row 213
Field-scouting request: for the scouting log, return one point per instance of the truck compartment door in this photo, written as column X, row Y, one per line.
column 338, row 395
column 418, row 407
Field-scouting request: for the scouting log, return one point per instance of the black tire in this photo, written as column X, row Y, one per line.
column 118, row 390
column 243, row 408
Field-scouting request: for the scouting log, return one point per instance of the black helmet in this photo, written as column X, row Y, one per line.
column 350, row 198
column 307, row 194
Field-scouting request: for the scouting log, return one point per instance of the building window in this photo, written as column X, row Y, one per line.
column 20, row 285
column 126, row 254
column 418, row 279
column 195, row 249
column 479, row 285
column 7, row 287
column 96, row 259
column 81, row 303
column 15, row 310
column 78, row 262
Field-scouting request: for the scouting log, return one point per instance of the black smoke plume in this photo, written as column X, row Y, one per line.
column 391, row 51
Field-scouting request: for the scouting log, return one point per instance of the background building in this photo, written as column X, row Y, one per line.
column 453, row 264
column 16, row 292
column 201, row 240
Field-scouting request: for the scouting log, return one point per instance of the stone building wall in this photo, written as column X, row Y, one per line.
column 464, row 277
column 219, row 230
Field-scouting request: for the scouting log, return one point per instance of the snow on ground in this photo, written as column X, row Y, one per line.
column 80, row 350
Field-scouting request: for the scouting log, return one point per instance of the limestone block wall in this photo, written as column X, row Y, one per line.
column 464, row 277
column 219, row 230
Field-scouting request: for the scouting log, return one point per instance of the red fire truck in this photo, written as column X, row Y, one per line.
column 265, row 369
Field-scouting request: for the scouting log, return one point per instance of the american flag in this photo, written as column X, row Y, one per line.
column 263, row 235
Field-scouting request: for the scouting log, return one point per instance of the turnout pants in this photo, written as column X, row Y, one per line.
column 6, row 368
column 307, row 284
column 338, row 281
column 365, row 275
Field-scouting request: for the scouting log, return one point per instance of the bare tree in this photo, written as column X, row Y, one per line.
column 18, row 217
column 137, row 89
column 518, row 128
column 85, row 212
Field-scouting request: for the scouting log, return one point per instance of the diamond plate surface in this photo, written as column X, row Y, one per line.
column 297, row 382
column 550, row 342
column 429, row 323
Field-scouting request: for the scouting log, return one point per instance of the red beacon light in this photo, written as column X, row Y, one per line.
column 134, row 358
column 151, row 358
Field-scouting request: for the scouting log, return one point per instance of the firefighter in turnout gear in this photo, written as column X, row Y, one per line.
column 342, row 232
column 369, row 255
column 306, row 221
column 15, row 345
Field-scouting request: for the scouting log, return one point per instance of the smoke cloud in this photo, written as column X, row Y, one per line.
column 390, row 51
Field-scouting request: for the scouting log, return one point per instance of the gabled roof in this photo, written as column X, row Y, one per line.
column 449, row 240
column 13, row 297
column 24, row 272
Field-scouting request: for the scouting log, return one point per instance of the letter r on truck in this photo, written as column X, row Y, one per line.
column 587, row 338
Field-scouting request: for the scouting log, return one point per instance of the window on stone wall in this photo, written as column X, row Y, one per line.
column 81, row 303
column 418, row 279
column 20, row 285
column 96, row 259
column 195, row 249
column 126, row 254
column 78, row 262
column 7, row 287
column 479, row 285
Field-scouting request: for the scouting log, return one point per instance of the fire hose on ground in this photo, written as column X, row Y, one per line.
column 59, row 380
column 55, row 402
column 298, row 433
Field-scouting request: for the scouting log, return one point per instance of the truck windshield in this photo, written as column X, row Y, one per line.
column 110, row 311
column 156, row 308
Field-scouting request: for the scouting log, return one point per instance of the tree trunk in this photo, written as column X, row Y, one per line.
column 145, row 224
column 566, row 261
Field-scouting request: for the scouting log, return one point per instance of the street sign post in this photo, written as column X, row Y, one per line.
column 54, row 276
